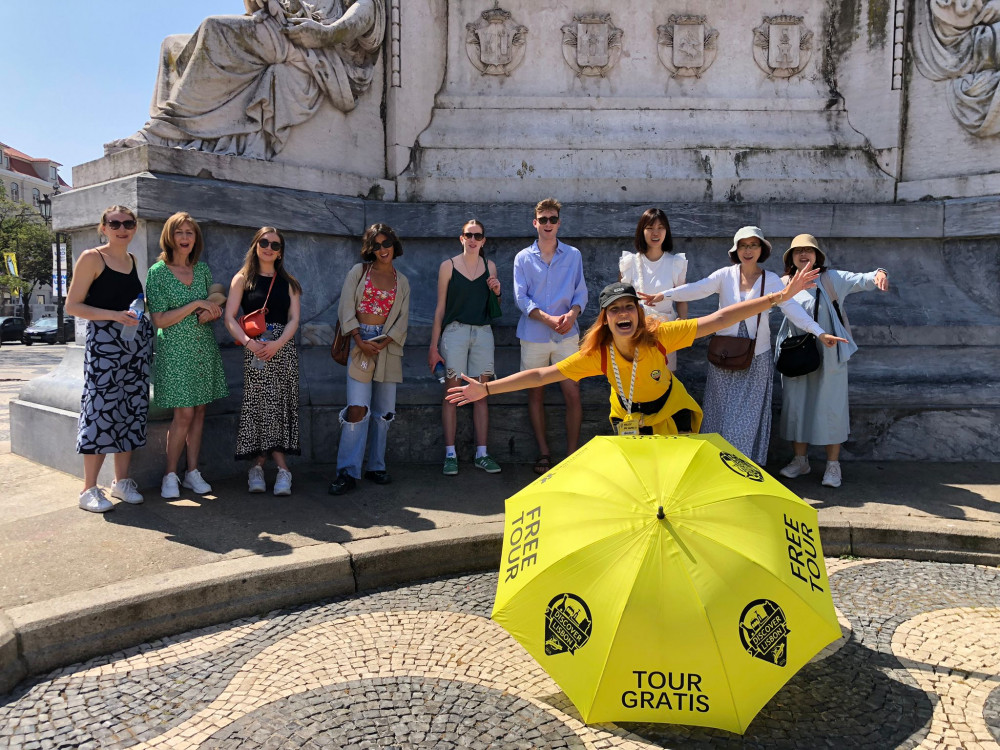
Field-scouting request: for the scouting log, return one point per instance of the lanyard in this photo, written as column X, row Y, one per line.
column 627, row 403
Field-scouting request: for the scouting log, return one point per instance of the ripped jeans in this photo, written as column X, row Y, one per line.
column 380, row 400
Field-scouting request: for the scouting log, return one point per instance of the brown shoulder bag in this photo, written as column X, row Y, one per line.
column 734, row 352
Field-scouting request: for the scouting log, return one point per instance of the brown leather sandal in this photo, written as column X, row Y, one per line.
column 543, row 463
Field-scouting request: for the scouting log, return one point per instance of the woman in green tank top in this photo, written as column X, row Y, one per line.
column 462, row 330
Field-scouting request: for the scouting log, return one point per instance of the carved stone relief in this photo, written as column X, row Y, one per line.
column 686, row 45
column 592, row 44
column 495, row 43
column 782, row 46
column 959, row 41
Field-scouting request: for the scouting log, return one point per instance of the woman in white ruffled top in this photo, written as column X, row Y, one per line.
column 654, row 268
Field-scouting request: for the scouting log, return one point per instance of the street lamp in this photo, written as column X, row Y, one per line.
column 45, row 208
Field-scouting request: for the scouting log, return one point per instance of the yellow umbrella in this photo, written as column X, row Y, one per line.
column 664, row 579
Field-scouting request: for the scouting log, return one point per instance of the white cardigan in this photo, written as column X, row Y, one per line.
column 726, row 283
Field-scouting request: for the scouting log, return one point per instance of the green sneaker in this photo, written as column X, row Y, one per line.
column 487, row 464
column 450, row 466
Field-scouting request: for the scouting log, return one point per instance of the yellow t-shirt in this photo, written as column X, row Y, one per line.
column 652, row 378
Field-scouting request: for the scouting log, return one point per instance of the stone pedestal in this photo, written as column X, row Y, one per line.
column 923, row 385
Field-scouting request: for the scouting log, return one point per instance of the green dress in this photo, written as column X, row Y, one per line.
column 187, row 367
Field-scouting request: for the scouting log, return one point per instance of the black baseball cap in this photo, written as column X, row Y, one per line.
column 616, row 291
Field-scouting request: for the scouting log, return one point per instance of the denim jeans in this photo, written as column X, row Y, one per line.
column 380, row 400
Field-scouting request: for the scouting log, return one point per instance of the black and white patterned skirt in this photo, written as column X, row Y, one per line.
column 269, row 416
column 115, row 389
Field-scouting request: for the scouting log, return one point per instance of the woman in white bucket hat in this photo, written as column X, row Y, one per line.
column 737, row 403
column 814, row 407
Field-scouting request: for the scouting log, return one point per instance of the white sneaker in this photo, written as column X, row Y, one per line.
column 255, row 480
column 126, row 491
column 95, row 501
column 169, row 488
column 283, row 484
column 831, row 477
column 193, row 481
column 798, row 467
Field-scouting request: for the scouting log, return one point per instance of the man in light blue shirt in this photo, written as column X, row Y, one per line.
column 550, row 292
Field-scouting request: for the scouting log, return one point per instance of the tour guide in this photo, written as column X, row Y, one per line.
column 632, row 353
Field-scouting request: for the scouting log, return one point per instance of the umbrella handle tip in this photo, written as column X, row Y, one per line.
column 659, row 513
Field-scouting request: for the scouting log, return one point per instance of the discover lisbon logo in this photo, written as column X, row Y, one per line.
column 567, row 624
column 764, row 631
column 741, row 466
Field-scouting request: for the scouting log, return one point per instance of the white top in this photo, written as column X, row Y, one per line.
column 726, row 283
column 654, row 276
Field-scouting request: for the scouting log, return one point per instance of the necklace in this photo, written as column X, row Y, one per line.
column 465, row 263
column 618, row 378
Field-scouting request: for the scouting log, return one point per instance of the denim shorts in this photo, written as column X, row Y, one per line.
column 467, row 350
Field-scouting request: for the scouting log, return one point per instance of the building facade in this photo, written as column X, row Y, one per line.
column 28, row 179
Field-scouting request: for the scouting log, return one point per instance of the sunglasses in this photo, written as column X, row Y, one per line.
column 273, row 244
column 386, row 244
column 547, row 219
column 115, row 225
column 477, row 236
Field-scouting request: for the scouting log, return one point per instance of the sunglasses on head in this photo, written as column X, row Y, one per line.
column 273, row 244
column 547, row 219
column 386, row 244
column 114, row 224
column 478, row 236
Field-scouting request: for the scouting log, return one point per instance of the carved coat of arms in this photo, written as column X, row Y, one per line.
column 782, row 46
column 592, row 44
column 495, row 43
column 686, row 45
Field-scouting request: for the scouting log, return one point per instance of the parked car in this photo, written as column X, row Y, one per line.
column 11, row 329
column 46, row 330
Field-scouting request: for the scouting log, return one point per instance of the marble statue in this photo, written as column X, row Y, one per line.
column 239, row 84
column 959, row 41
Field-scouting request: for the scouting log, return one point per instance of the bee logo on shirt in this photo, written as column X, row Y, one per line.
column 655, row 375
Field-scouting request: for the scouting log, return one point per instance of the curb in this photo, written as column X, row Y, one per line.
column 36, row 638
column 40, row 637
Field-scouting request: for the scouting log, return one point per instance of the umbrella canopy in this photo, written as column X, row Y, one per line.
column 694, row 614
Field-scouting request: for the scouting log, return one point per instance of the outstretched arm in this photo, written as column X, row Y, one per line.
column 519, row 381
column 727, row 316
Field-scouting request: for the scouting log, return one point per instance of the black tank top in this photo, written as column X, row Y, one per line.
column 277, row 305
column 467, row 301
column 114, row 290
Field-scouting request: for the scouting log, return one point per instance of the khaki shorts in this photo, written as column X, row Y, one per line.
column 547, row 353
column 467, row 350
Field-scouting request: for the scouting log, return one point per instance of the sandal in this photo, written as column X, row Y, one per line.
column 543, row 463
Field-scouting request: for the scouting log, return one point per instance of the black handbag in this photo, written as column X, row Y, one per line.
column 800, row 355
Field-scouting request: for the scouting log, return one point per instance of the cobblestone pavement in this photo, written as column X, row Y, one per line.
column 423, row 667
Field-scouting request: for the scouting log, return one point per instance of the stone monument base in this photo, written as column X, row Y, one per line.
column 922, row 386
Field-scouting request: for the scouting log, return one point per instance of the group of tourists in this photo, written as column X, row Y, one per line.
column 642, row 322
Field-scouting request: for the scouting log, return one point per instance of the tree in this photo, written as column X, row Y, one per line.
column 23, row 231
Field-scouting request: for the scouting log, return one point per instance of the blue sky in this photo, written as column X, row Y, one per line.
column 81, row 72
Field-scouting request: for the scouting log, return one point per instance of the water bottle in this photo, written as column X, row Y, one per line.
column 439, row 372
column 137, row 308
column 257, row 363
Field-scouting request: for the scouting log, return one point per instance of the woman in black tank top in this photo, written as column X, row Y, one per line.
column 115, row 370
column 467, row 283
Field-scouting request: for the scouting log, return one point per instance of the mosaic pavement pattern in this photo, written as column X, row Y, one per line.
column 423, row 667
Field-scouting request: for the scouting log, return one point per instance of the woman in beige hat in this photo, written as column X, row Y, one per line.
column 814, row 407
column 737, row 403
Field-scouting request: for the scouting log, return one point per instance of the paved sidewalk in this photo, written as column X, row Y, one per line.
column 77, row 584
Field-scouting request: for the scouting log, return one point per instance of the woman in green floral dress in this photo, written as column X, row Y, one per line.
column 187, row 367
